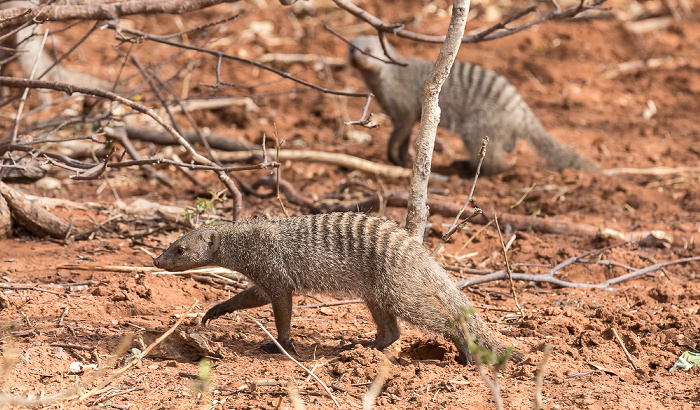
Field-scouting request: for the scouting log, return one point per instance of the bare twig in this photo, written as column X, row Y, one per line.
column 509, row 271
column 539, row 377
column 319, row 381
column 85, row 10
column 624, row 349
column 375, row 388
column 456, row 224
column 498, row 31
column 549, row 276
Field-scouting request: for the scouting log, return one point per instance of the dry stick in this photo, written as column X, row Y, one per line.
column 236, row 196
column 624, row 349
column 86, row 10
column 417, row 212
column 137, row 358
column 70, row 89
column 539, row 377
column 220, row 55
column 375, row 388
column 509, row 270
column 279, row 346
column 23, row 100
column 233, row 189
column 63, row 316
column 455, row 224
column 331, row 158
column 294, row 397
column 548, row 277
column 278, row 172
column 497, row 31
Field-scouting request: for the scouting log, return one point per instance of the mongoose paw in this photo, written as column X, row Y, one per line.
column 212, row 314
column 271, row 348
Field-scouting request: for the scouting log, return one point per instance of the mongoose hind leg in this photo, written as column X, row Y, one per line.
column 399, row 141
column 249, row 298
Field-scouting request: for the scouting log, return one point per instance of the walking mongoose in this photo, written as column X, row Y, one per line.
column 474, row 103
column 349, row 254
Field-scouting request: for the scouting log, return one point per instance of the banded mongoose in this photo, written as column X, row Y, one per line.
column 349, row 254
column 474, row 103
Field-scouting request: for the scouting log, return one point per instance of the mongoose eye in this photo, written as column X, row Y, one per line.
column 180, row 250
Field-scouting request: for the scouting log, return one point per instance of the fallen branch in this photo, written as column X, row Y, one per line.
column 30, row 216
column 103, row 10
column 549, row 276
column 5, row 219
column 163, row 138
column 658, row 171
column 321, row 157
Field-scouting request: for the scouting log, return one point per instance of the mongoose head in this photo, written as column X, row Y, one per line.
column 370, row 45
column 194, row 249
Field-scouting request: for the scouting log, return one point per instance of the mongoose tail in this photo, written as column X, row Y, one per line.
column 557, row 155
column 474, row 103
column 348, row 254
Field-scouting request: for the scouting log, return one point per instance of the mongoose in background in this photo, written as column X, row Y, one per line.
column 474, row 103
column 350, row 254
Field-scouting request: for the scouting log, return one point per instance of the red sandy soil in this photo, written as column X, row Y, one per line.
column 565, row 70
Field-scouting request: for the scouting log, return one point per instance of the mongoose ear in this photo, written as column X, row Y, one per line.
column 213, row 240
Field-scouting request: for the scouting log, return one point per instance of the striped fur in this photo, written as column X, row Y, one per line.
column 474, row 103
column 343, row 254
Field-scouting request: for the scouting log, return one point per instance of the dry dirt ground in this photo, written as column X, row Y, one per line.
column 616, row 87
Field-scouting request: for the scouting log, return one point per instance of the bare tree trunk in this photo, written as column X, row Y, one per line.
column 430, row 118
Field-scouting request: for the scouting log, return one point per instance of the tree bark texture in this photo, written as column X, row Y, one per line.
column 98, row 10
column 417, row 214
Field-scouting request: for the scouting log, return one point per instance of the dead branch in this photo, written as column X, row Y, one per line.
column 321, row 157
column 119, row 134
column 456, row 225
column 417, row 212
column 499, row 30
column 215, row 141
column 30, row 216
column 5, row 219
column 70, row 89
column 140, row 36
column 549, row 276
column 657, row 171
column 99, row 10
column 509, row 270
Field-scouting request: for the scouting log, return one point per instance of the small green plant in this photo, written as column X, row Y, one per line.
column 203, row 206
column 483, row 358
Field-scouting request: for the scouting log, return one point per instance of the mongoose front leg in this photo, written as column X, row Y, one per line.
column 282, row 310
column 249, row 298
